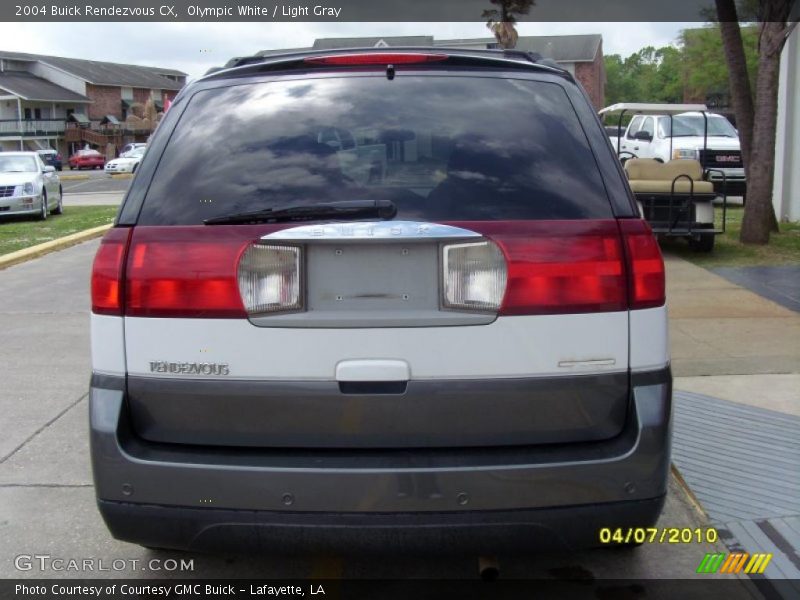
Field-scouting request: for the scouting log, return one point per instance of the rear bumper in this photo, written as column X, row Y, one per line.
column 559, row 494
column 454, row 532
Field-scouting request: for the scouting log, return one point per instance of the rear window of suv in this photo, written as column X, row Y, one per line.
column 440, row 147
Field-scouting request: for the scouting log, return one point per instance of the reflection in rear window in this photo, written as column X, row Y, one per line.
column 442, row 148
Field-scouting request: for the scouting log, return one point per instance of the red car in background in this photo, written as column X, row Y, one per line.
column 87, row 159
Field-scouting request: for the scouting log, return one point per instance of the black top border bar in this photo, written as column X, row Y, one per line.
column 212, row 11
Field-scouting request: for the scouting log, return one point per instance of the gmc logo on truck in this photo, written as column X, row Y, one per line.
column 728, row 158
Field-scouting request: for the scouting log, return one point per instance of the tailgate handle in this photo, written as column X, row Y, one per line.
column 376, row 370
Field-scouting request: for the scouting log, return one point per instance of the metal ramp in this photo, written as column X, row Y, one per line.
column 743, row 465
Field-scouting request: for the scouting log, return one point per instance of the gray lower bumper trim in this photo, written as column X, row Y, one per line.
column 632, row 466
column 465, row 532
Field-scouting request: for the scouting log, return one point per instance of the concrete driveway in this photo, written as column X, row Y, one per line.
column 47, row 499
column 719, row 328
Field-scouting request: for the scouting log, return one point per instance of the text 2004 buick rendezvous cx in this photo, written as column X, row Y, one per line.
column 364, row 296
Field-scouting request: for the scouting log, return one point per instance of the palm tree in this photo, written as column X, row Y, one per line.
column 501, row 21
column 758, row 140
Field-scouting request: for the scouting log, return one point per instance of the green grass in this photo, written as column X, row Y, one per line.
column 783, row 248
column 17, row 233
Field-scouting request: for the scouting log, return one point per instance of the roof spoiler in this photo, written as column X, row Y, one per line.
column 455, row 56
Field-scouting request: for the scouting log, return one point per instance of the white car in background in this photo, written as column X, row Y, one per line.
column 129, row 147
column 126, row 163
column 28, row 186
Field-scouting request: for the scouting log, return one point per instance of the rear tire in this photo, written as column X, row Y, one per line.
column 704, row 244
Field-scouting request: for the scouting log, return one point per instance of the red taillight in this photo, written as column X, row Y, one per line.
column 185, row 272
column 376, row 58
column 553, row 267
column 561, row 267
column 107, row 272
column 645, row 264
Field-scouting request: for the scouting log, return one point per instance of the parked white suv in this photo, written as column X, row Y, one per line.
column 448, row 331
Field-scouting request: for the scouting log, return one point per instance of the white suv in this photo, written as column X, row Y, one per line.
column 449, row 331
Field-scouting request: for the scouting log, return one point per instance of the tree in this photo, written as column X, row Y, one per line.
column 759, row 216
column 739, row 81
column 501, row 21
column 705, row 67
column 649, row 75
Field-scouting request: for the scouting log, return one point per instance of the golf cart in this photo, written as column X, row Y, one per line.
column 680, row 160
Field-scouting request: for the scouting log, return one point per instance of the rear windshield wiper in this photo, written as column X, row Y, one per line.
column 348, row 209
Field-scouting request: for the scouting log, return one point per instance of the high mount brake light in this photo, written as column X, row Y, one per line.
column 377, row 58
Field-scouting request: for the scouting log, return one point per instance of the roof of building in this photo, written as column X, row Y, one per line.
column 31, row 87
column 561, row 48
column 377, row 41
column 105, row 73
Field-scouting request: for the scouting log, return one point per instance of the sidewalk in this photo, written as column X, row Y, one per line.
column 736, row 442
column 720, row 328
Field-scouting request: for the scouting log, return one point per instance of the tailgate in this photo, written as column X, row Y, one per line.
column 373, row 359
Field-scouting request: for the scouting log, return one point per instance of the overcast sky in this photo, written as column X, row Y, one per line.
column 195, row 47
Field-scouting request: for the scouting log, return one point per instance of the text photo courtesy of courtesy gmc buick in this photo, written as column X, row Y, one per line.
column 361, row 298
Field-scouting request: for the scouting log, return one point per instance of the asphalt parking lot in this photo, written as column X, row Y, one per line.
column 91, row 181
column 47, row 498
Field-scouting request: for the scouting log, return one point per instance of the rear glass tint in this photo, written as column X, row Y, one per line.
column 440, row 147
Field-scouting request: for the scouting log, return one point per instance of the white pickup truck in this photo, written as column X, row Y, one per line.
column 671, row 131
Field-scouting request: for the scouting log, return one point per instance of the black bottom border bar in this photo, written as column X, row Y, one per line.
column 706, row 587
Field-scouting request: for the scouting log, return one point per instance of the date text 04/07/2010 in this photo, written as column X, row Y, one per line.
column 657, row 535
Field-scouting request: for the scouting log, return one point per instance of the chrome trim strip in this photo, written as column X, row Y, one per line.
column 378, row 230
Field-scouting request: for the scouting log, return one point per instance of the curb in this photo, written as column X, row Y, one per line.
column 26, row 254
column 72, row 177
column 122, row 176
column 689, row 493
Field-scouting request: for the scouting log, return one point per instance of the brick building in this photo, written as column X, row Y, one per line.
column 581, row 55
column 40, row 95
